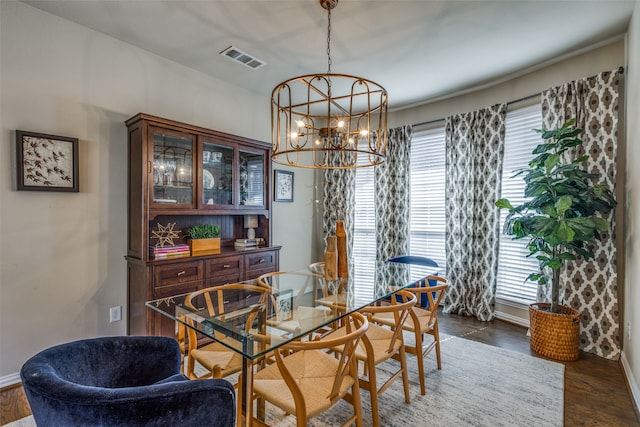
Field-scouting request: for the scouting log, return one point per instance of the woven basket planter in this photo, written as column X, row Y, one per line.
column 555, row 335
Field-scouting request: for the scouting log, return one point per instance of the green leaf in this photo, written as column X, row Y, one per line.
column 564, row 232
column 601, row 224
column 563, row 204
column 504, row 204
column 550, row 162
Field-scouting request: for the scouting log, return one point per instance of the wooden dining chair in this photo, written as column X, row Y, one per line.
column 380, row 344
column 307, row 381
column 216, row 358
column 301, row 316
column 421, row 322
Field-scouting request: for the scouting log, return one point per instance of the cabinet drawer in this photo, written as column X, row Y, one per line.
column 215, row 280
column 259, row 261
column 225, row 266
column 178, row 273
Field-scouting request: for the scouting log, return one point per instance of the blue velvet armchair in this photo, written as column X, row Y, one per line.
column 122, row 381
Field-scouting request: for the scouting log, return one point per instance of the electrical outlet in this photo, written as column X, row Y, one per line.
column 115, row 313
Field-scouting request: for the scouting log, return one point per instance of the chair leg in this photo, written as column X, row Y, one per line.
column 436, row 337
column 405, row 374
column 372, row 387
column 420, row 360
column 355, row 399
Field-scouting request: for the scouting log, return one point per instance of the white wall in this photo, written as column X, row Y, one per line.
column 631, row 343
column 607, row 57
column 62, row 255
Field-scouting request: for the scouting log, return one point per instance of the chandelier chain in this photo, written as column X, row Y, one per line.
column 329, row 41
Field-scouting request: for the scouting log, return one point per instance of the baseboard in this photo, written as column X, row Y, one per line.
column 9, row 380
column 631, row 382
column 517, row 320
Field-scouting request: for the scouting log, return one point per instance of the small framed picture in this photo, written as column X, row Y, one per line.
column 46, row 162
column 284, row 306
column 283, row 187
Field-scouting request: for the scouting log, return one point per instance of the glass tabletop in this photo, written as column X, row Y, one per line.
column 253, row 318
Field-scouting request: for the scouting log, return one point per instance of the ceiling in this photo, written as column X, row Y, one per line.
column 417, row 50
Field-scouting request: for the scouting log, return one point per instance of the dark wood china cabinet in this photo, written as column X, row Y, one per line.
column 186, row 175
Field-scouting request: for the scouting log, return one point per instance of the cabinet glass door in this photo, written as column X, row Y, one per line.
column 172, row 169
column 251, row 178
column 217, row 175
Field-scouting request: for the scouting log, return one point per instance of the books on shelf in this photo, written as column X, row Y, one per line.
column 248, row 241
column 245, row 243
column 170, row 251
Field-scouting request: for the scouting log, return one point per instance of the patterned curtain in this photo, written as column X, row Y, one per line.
column 338, row 203
column 392, row 196
column 474, row 153
column 591, row 286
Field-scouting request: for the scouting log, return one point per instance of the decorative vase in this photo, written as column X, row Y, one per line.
column 554, row 335
column 331, row 259
column 343, row 262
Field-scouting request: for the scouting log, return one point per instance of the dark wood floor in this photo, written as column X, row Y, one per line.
column 595, row 389
column 595, row 392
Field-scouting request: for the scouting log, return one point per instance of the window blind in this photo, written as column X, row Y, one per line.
column 427, row 180
column 513, row 265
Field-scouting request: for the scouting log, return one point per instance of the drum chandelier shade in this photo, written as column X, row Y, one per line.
column 329, row 121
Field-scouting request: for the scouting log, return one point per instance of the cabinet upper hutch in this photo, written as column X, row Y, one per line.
column 185, row 175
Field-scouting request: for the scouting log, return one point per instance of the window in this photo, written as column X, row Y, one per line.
column 513, row 266
column 427, row 222
column 427, row 226
column 427, row 216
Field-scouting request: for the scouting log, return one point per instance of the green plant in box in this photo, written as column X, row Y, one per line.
column 563, row 216
column 203, row 239
column 203, row 231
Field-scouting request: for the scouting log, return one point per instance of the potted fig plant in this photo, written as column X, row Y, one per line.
column 203, row 239
column 562, row 218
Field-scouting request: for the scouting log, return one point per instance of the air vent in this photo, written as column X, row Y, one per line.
column 243, row 57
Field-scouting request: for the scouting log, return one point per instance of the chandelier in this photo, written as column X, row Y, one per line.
column 329, row 121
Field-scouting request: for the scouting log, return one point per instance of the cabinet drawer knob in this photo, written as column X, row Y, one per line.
column 260, row 261
column 226, row 266
column 181, row 273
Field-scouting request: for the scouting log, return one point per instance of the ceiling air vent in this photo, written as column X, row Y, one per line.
column 242, row 57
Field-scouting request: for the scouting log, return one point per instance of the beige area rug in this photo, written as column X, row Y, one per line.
column 479, row 385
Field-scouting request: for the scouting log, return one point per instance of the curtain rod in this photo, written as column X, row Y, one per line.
column 508, row 103
column 620, row 70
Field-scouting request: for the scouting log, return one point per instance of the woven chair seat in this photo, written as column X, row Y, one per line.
column 216, row 357
column 422, row 315
column 313, row 371
column 379, row 338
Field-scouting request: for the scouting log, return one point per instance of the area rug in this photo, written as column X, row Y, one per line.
column 479, row 385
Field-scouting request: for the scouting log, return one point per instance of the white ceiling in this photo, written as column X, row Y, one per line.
column 417, row 50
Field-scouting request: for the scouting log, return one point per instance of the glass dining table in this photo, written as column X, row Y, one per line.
column 295, row 305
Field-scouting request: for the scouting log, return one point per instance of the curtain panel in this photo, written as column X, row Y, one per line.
column 474, row 154
column 339, row 195
column 591, row 286
column 391, row 195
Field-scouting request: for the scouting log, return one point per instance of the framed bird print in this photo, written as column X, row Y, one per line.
column 46, row 162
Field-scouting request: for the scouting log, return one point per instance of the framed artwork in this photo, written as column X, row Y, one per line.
column 46, row 162
column 284, row 305
column 283, row 187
